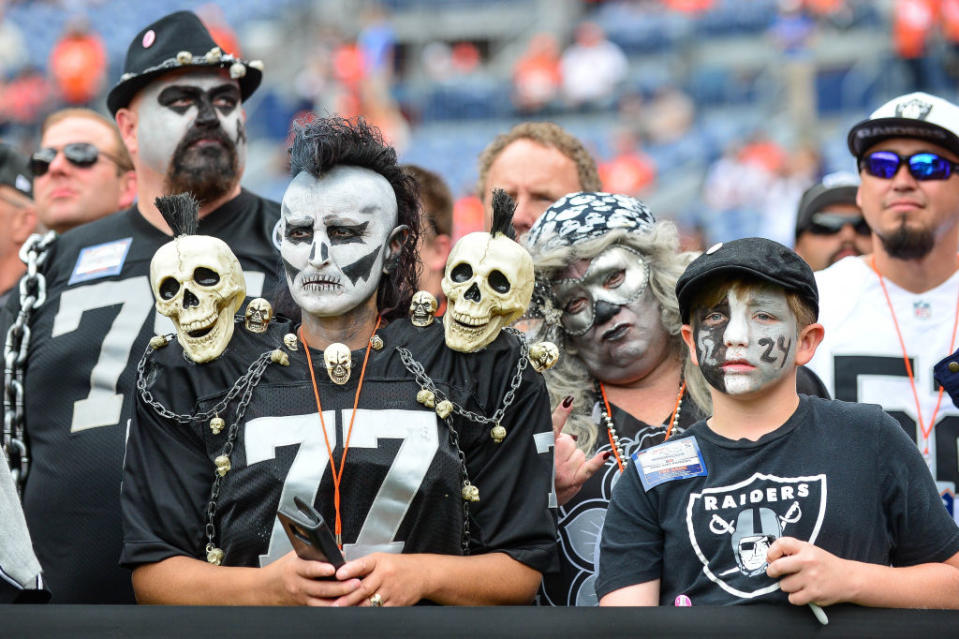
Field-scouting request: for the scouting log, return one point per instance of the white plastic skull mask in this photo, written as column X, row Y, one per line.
column 198, row 283
column 488, row 282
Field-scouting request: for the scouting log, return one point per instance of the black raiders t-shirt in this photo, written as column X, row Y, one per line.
column 839, row 475
column 86, row 340
column 401, row 487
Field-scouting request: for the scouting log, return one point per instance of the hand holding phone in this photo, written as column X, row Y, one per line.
column 310, row 536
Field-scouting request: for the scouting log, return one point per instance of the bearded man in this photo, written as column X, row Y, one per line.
column 178, row 108
column 891, row 316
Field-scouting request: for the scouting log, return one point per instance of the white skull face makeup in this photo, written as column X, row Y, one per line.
column 615, row 322
column 747, row 341
column 337, row 231
column 191, row 123
column 198, row 283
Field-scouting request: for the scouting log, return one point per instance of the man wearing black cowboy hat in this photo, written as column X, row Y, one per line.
column 178, row 107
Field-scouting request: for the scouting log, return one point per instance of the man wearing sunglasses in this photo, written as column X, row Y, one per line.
column 890, row 316
column 829, row 224
column 82, row 170
column 178, row 106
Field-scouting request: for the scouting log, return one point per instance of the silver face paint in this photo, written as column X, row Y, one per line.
column 336, row 232
column 161, row 127
column 747, row 342
column 617, row 276
column 625, row 338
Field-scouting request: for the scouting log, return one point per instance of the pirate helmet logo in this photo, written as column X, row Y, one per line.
column 732, row 527
column 914, row 109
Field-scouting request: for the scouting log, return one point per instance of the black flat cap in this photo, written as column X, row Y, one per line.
column 177, row 41
column 754, row 257
column 15, row 170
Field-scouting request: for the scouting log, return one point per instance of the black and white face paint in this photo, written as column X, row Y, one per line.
column 746, row 342
column 336, row 235
column 611, row 317
column 191, row 129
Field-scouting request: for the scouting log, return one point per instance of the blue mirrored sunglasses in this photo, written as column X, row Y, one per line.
column 922, row 166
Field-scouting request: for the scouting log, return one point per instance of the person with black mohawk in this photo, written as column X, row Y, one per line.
column 365, row 414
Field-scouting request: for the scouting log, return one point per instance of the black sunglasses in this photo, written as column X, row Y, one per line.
column 831, row 223
column 80, row 154
column 922, row 166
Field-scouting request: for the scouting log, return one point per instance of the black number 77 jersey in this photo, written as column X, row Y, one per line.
column 79, row 378
column 401, row 489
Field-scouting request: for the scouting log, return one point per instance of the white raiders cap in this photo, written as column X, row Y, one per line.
column 915, row 115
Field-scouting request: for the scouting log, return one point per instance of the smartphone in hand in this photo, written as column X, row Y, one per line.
column 310, row 536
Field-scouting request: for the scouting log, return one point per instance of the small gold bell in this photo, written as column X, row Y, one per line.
column 279, row 357
column 222, row 465
column 289, row 340
column 216, row 425
column 214, row 556
column 376, row 342
column 954, row 367
column 498, row 433
column 444, row 408
column 470, row 492
column 426, row 398
column 158, row 341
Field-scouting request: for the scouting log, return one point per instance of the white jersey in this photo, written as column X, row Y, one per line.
column 860, row 359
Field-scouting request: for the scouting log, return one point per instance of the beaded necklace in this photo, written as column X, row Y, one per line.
column 607, row 420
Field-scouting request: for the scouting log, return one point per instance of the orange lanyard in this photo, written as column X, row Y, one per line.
column 337, row 472
column 926, row 432
column 669, row 428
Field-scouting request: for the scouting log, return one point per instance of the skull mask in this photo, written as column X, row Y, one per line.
column 489, row 282
column 338, row 362
column 259, row 312
column 198, row 283
column 422, row 308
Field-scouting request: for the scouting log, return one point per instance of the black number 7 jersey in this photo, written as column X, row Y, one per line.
column 85, row 342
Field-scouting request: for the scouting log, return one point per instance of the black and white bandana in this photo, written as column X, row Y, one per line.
column 583, row 216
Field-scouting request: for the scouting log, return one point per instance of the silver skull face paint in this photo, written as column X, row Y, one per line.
column 336, row 234
column 615, row 277
column 190, row 128
column 615, row 322
column 745, row 342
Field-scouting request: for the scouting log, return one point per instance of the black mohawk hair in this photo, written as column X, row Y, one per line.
column 503, row 209
column 181, row 212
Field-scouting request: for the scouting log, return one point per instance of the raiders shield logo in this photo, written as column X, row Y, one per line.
column 914, row 109
column 731, row 527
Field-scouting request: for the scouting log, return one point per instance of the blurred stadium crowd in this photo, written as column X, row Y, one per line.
column 718, row 113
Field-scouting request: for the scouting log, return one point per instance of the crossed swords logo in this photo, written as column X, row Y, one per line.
column 719, row 526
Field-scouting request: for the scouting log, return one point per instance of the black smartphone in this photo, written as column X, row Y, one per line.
column 310, row 536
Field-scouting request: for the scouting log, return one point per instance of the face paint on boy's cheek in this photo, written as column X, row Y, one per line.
column 711, row 353
column 775, row 350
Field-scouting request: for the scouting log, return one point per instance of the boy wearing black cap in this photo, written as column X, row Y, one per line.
column 777, row 496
